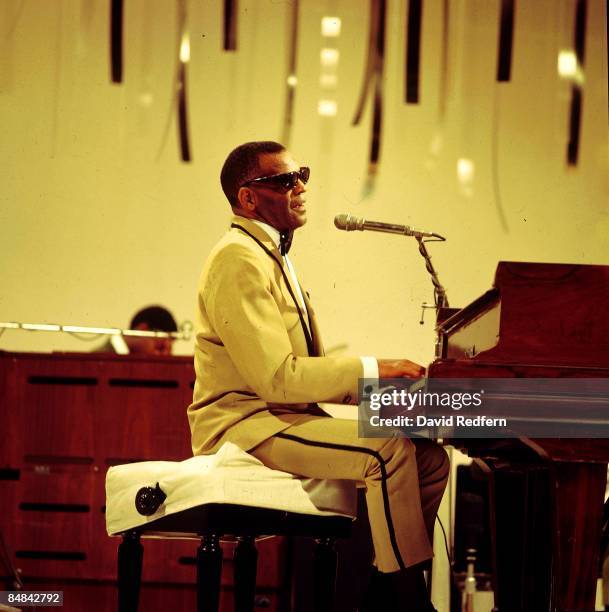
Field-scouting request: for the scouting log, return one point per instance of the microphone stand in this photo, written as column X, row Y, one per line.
column 440, row 298
column 469, row 589
column 473, row 508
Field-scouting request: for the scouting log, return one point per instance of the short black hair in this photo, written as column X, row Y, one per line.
column 156, row 318
column 241, row 165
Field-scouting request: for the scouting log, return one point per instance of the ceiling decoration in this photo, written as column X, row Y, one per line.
column 506, row 35
column 116, row 40
column 291, row 79
column 372, row 84
column 579, row 46
column 230, row 24
column 413, row 51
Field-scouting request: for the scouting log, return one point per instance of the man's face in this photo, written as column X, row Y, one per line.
column 284, row 210
column 148, row 346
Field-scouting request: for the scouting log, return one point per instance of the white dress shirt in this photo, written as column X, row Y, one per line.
column 369, row 364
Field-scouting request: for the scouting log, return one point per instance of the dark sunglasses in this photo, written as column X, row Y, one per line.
column 287, row 180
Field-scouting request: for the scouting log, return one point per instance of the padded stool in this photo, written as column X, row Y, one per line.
column 230, row 494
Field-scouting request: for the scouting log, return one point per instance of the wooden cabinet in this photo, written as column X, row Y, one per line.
column 64, row 420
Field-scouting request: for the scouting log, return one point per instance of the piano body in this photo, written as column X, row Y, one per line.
column 546, row 495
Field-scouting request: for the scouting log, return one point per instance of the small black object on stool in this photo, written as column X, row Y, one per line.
column 149, row 500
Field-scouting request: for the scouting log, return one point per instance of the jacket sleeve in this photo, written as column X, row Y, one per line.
column 245, row 316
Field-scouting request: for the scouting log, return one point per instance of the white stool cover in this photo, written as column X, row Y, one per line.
column 231, row 476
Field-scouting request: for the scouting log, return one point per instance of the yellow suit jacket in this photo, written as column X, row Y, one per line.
column 254, row 374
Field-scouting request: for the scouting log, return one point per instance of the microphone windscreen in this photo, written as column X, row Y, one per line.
column 340, row 221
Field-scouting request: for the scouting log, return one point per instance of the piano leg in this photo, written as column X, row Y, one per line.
column 546, row 525
column 521, row 507
column 579, row 494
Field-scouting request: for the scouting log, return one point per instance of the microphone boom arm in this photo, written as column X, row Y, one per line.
column 440, row 298
column 349, row 223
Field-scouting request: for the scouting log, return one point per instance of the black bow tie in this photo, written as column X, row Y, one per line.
column 285, row 241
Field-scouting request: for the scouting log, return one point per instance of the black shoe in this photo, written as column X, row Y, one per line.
column 411, row 590
column 403, row 591
column 379, row 593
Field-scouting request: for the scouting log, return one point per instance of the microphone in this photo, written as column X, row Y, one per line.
column 348, row 223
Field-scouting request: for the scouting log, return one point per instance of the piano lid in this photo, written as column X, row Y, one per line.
column 536, row 313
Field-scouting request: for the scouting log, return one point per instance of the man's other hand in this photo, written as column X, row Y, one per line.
column 400, row 368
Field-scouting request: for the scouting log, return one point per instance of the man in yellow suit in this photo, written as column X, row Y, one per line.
column 260, row 371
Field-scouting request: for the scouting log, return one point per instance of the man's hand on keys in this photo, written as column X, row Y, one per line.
column 400, row 368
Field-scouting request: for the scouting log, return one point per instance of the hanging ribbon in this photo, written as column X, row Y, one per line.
column 506, row 35
column 579, row 44
column 183, row 59
column 230, row 25
column 291, row 80
column 504, row 69
column 413, row 52
column 371, row 59
column 179, row 98
column 373, row 81
column 443, row 87
column 116, row 40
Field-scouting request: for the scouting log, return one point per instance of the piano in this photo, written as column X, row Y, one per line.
column 546, row 494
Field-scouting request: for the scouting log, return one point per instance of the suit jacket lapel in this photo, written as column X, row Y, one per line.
column 260, row 234
column 267, row 241
column 313, row 327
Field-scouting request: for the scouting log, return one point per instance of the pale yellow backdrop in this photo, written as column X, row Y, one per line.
column 98, row 215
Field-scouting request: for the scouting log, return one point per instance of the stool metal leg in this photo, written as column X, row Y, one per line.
column 246, row 557
column 324, row 572
column 209, row 571
column 130, row 555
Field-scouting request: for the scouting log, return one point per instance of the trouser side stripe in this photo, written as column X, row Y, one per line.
column 381, row 461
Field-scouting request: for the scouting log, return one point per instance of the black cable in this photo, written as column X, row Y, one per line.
column 448, row 556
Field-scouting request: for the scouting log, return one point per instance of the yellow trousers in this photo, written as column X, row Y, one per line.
column 404, row 480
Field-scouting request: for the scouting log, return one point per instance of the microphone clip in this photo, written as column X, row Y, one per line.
column 425, row 306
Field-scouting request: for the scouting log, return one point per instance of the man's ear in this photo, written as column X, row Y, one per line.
column 247, row 199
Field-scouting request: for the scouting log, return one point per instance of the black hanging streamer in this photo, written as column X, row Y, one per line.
column 369, row 70
column 183, row 114
column 182, row 83
column 179, row 99
column 375, row 145
column 506, row 36
column 579, row 35
column 579, row 45
column 290, row 81
column 443, row 85
column 230, row 25
column 413, row 51
column 373, row 80
column 116, row 40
